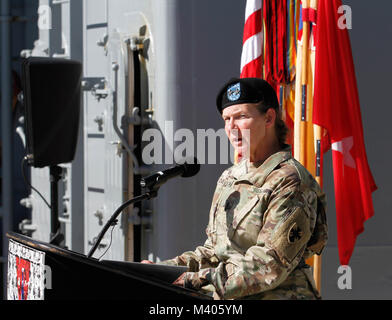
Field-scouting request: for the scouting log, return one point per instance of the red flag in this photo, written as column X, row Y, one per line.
column 336, row 108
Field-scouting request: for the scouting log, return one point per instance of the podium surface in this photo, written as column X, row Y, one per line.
column 39, row 270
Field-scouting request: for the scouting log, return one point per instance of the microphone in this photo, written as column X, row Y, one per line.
column 154, row 181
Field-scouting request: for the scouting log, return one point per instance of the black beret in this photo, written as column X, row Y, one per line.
column 246, row 90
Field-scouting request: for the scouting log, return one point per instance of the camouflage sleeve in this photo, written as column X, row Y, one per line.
column 280, row 245
column 201, row 257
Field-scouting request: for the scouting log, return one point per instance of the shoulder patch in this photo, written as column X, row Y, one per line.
column 295, row 233
column 291, row 235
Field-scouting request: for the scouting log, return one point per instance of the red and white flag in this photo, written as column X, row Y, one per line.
column 336, row 108
column 252, row 47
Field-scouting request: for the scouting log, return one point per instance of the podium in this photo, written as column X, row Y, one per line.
column 39, row 270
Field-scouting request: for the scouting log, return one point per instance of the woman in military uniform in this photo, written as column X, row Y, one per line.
column 267, row 214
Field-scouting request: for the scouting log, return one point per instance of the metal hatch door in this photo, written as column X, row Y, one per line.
column 105, row 161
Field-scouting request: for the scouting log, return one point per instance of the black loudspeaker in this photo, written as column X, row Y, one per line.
column 52, row 102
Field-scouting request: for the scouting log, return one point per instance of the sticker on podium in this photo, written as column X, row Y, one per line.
column 26, row 272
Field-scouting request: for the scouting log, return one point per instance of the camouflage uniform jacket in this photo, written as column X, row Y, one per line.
column 265, row 219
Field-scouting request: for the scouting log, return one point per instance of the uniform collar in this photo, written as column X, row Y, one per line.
column 256, row 173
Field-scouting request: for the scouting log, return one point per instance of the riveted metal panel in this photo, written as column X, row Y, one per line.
column 95, row 60
column 95, row 110
column 95, row 12
column 95, row 106
column 40, row 213
column 96, row 163
column 95, row 220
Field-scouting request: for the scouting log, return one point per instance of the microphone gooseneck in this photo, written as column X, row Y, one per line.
column 156, row 180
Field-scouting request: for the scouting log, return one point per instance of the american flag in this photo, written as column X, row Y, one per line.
column 251, row 59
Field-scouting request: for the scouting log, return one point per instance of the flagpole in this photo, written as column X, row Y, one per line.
column 317, row 259
column 318, row 176
column 303, row 118
column 305, row 48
